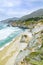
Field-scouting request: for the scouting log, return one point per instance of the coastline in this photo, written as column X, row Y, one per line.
column 7, row 51
column 9, row 42
column 10, row 52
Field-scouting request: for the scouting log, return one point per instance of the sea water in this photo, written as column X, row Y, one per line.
column 7, row 34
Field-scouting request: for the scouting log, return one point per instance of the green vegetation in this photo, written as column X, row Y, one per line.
column 31, row 22
column 36, row 57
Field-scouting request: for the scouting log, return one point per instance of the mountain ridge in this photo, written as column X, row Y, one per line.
column 37, row 13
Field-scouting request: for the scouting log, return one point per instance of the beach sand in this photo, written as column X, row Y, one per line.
column 10, row 52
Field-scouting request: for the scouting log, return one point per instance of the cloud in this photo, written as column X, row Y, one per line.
column 18, row 8
column 17, row 13
column 10, row 3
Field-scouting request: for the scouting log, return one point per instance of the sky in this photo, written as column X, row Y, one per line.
column 18, row 8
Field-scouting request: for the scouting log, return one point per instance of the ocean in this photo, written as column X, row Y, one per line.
column 8, row 33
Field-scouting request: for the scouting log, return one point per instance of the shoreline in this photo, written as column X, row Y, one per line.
column 10, row 42
column 10, row 52
column 21, row 33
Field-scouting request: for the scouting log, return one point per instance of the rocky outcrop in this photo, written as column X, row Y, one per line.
column 31, row 53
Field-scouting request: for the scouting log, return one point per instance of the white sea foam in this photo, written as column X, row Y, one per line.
column 4, row 33
column 9, row 42
column 6, row 44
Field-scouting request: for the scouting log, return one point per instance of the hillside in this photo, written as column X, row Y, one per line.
column 33, row 53
column 29, row 23
column 29, row 20
column 37, row 13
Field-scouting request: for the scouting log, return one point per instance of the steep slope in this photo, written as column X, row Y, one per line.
column 33, row 53
column 37, row 13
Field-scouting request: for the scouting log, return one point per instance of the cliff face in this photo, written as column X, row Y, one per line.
column 26, row 49
column 33, row 53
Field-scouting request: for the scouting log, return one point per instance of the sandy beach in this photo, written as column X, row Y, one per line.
column 9, row 53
